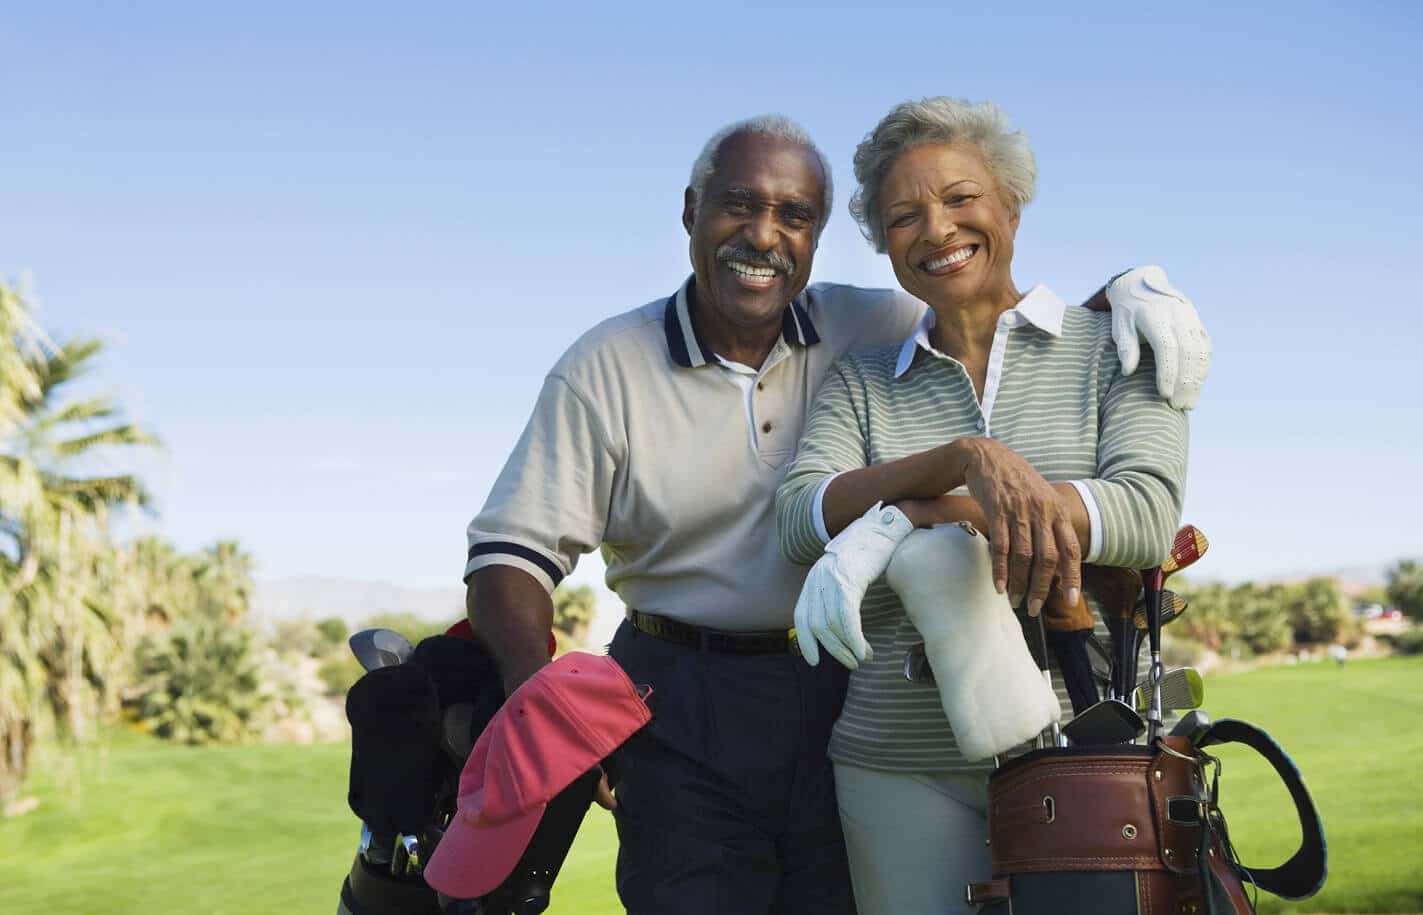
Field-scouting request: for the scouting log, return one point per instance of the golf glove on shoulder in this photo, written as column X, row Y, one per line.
column 1146, row 306
column 828, row 611
column 991, row 690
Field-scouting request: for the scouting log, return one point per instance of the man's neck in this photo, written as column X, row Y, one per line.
column 748, row 345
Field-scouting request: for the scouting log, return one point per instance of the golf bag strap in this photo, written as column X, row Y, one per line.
column 1303, row 874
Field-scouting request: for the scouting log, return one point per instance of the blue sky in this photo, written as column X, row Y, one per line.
column 335, row 248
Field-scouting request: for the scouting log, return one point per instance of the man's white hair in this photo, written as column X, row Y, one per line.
column 941, row 120
column 768, row 125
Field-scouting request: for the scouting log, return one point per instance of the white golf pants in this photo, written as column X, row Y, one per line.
column 914, row 841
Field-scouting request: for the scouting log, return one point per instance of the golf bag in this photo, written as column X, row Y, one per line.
column 1134, row 830
column 413, row 725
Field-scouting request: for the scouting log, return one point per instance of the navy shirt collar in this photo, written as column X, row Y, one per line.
column 689, row 350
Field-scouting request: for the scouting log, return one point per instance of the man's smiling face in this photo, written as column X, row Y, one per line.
column 754, row 232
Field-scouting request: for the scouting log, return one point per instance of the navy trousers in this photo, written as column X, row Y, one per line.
column 726, row 802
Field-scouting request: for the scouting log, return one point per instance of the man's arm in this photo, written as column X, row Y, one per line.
column 513, row 614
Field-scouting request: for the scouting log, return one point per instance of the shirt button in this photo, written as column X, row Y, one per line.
column 766, row 427
column 760, row 385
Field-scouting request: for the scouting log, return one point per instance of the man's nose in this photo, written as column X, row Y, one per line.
column 761, row 230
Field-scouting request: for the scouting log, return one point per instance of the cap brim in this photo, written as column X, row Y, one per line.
column 471, row 861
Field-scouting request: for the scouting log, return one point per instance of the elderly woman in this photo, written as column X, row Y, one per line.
column 1006, row 410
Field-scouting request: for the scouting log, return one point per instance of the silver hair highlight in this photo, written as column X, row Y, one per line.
column 941, row 119
column 768, row 125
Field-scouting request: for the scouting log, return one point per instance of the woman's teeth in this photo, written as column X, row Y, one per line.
column 956, row 257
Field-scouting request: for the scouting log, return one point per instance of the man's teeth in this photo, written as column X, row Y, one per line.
column 962, row 254
column 751, row 272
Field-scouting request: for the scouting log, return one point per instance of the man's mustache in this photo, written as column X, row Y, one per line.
column 735, row 252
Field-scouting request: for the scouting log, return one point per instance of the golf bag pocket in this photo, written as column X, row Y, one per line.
column 1132, row 830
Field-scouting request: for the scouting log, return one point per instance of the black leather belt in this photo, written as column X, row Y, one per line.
column 717, row 641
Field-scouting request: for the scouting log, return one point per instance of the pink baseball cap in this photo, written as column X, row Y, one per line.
column 560, row 723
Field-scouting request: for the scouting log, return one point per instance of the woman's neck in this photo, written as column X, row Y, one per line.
column 963, row 329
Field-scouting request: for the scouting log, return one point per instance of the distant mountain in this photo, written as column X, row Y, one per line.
column 351, row 599
column 1352, row 579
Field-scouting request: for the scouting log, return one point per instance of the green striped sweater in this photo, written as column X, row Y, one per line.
column 1061, row 402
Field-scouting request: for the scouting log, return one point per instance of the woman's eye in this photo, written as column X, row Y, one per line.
column 902, row 220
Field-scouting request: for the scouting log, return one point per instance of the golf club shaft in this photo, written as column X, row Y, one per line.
column 1153, row 581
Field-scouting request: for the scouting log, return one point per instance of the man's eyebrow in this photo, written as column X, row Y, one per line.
column 797, row 208
column 738, row 193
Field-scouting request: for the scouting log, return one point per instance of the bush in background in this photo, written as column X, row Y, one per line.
column 1408, row 642
column 201, row 682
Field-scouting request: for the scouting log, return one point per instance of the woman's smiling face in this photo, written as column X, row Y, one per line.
column 948, row 230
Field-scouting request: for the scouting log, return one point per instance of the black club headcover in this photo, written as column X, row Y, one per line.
column 395, row 749
column 463, row 671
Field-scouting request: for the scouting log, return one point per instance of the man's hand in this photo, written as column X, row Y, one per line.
column 1146, row 305
column 604, row 794
column 828, row 610
column 1030, row 533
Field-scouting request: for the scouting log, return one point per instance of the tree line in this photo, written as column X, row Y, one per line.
column 88, row 626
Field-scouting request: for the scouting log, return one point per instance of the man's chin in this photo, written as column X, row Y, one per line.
column 740, row 298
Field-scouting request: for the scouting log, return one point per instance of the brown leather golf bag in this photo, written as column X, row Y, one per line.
column 1135, row 830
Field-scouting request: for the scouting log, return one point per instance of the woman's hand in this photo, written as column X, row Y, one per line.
column 1030, row 533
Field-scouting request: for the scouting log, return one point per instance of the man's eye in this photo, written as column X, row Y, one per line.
column 737, row 207
column 795, row 220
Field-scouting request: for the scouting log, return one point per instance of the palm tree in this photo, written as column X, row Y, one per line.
column 224, row 578
column 54, row 512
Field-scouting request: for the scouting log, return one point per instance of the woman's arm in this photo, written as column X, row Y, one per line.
column 1140, row 484
column 951, row 509
column 1032, row 529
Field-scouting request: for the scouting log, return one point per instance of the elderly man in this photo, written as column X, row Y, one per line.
column 660, row 438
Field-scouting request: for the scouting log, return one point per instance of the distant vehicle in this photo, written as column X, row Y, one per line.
column 1369, row 611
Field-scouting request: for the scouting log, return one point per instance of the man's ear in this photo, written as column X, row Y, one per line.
column 689, row 209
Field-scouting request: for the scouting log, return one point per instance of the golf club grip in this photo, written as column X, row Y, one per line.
column 1070, row 649
column 1154, row 581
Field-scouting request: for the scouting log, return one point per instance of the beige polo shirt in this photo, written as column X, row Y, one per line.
column 646, row 445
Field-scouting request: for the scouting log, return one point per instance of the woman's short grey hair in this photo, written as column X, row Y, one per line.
column 940, row 120
column 769, row 125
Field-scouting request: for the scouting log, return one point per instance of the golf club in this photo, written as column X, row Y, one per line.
column 376, row 648
column 1115, row 591
column 1181, row 689
column 1192, row 725
column 1187, row 547
column 916, row 665
column 1054, row 730
column 1172, row 606
column 1107, row 722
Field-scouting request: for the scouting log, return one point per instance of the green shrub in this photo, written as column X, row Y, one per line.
column 1179, row 651
column 333, row 632
column 338, row 672
column 1410, row 641
column 201, row 683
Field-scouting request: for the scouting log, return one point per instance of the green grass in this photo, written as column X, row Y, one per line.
column 1356, row 733
column 136, row 825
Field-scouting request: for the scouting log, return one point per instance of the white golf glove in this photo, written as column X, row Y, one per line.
column 1146, row 305
column 991, row 690
column 828, row 611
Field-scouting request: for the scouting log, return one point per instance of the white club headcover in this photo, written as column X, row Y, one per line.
column 993, row 693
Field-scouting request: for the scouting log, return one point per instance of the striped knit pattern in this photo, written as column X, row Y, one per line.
column 1062, row 404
